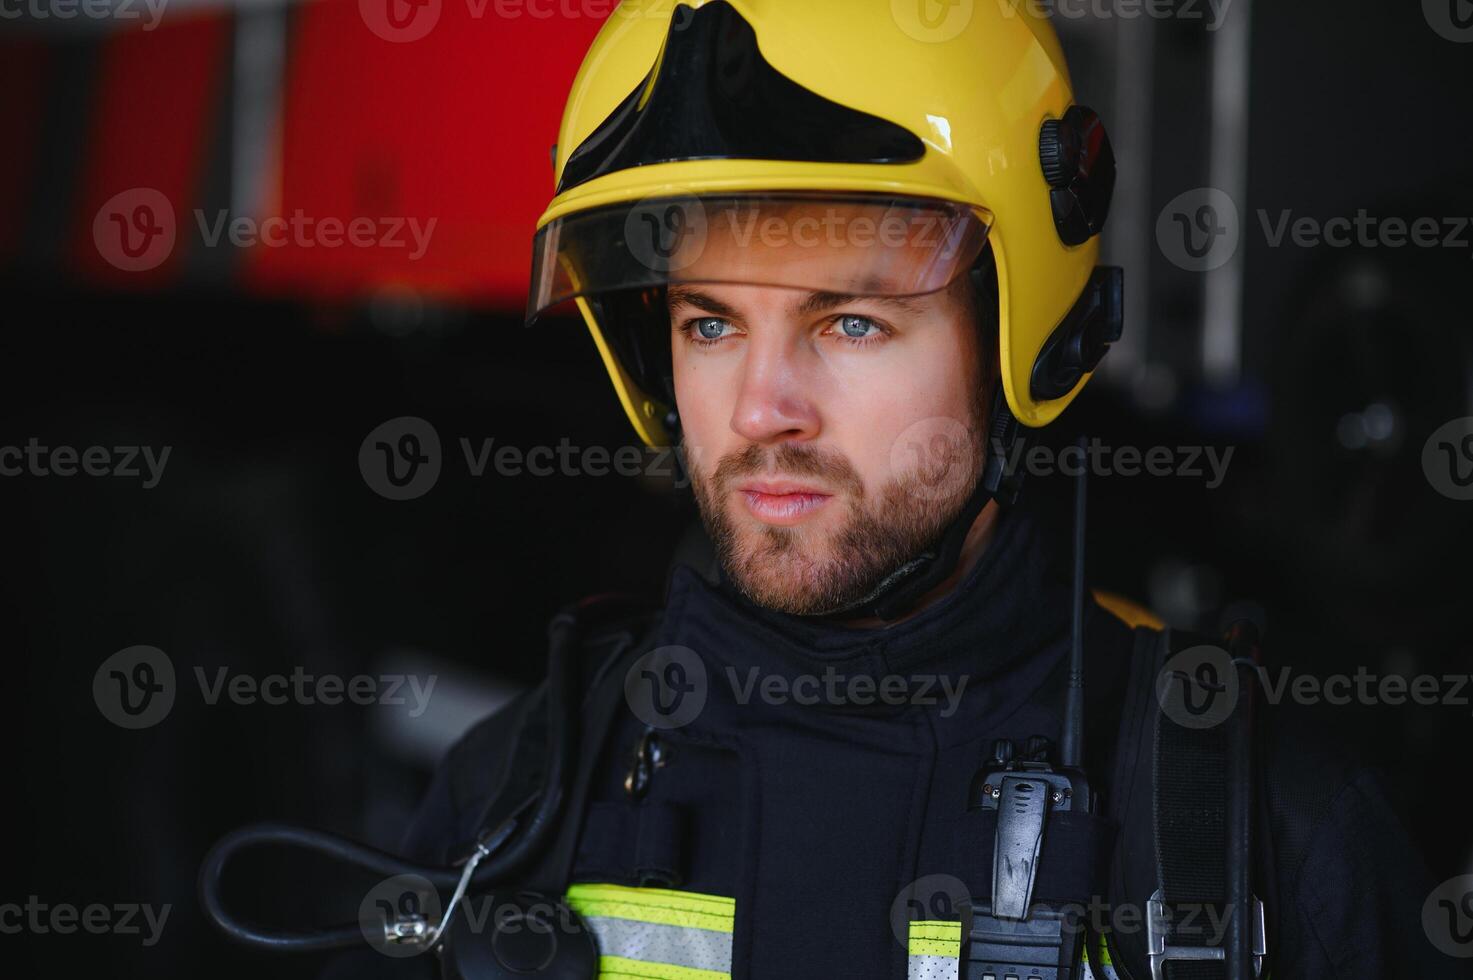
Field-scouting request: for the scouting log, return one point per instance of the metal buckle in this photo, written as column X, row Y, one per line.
column 1159, row 954
column 648, row 756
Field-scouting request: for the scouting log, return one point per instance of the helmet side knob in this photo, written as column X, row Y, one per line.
column 1058, row 150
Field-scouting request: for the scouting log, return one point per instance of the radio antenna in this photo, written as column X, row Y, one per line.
column 1071, row 750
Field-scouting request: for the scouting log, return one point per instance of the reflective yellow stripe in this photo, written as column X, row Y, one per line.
column 618, row 968
column 935, row 938
column 657, row 933
column 688, row 910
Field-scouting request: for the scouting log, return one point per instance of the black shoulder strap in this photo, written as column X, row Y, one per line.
column 1169, row 796
column 1129, row 799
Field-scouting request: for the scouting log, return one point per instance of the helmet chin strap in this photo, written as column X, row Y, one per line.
column 899, row 591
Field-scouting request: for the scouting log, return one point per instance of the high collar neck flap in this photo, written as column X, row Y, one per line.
column 1012, row 600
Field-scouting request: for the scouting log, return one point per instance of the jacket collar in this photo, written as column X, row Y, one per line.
column 1012, row 602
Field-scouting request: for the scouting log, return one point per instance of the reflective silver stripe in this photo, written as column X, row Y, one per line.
column 931, row 968
column 651, row 942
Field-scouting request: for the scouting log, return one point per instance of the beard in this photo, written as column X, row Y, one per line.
column 807, row 570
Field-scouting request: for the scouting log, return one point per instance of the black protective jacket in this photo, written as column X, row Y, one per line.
column 814, row 802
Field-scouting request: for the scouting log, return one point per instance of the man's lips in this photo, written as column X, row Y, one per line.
column 780, row 502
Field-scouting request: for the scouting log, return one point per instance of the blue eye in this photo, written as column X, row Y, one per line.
column 857, row 327
column 710, row 327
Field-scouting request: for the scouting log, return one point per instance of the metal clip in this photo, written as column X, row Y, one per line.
column 407, row 930
column 1022, row 807
column 1157, row 924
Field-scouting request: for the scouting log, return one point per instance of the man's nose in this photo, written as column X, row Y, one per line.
column 775, row 402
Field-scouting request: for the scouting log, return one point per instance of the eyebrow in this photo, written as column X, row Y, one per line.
column 814, row 302
column 678, row 295
column 823, row 300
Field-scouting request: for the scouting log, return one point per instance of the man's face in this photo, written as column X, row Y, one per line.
column 829, row 437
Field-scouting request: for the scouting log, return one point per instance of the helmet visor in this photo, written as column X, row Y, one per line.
column 855, row 244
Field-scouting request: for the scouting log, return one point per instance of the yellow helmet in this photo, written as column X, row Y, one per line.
column 964, row 120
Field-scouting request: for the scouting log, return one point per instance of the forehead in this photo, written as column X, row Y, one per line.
column 732, row 300
column 851, row 247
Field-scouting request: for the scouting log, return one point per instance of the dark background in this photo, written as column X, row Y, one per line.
column 263, row 549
